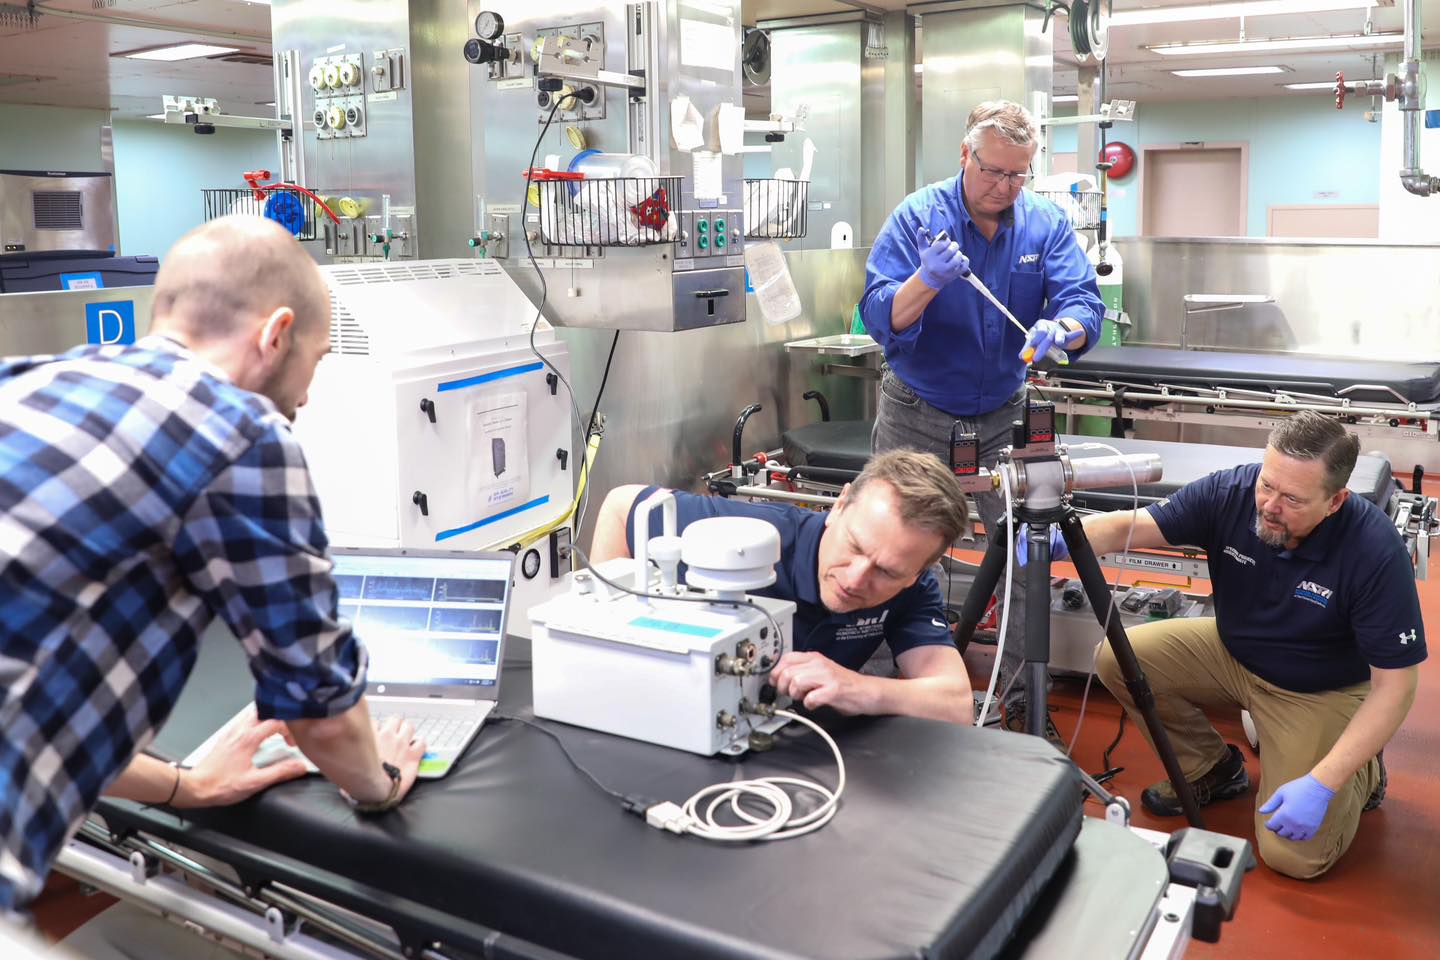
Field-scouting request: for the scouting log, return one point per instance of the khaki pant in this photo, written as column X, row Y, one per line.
column 1188, row 668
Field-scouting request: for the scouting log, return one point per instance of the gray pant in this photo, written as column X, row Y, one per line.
column 905, row 422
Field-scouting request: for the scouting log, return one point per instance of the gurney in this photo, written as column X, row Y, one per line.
column 514, row 855
column 814, row 461
column 1375, row 398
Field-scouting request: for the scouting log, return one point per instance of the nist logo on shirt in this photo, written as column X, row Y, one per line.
column 1028, row 258
column 1314, row 592
column 863, row 628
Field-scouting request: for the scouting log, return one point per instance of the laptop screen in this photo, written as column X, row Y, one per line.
column 427, row 619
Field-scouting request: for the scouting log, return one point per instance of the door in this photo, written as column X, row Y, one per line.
column 1193, row 192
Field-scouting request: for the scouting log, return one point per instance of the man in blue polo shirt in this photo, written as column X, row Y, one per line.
column 859, row 575
column 1317, row 633
column 950, row 354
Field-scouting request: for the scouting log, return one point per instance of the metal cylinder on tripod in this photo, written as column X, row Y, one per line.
column 1041, row 482
column 1093, row 473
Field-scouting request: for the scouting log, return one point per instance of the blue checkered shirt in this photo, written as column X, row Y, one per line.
column 142, row 495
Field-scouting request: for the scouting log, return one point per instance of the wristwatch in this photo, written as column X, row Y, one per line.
column 393, row 772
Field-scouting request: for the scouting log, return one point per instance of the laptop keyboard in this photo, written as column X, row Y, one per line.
column 438, row 731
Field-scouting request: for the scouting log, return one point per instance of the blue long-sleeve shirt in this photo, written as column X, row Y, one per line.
column 962, row 355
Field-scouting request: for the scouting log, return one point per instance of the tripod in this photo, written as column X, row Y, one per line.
column 1044, row 479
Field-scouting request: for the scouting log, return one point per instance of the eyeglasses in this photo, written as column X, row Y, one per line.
column 994, row 175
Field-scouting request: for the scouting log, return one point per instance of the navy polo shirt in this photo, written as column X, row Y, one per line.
column 914, row 617
column 1309, row 619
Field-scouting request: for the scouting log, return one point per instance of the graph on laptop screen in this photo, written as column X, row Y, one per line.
column 426, row 620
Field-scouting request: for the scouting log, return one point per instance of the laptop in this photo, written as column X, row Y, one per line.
column 434, row 623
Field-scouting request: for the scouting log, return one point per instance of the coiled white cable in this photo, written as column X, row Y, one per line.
column 780, row 824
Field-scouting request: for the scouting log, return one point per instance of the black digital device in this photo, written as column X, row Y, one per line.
column 964, row 452
column 1041, row 425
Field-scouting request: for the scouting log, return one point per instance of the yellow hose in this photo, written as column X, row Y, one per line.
column 539, row 533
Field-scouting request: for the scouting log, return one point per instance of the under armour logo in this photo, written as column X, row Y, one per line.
column 1407, row 638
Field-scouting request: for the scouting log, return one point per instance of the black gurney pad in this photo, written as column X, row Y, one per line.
column 839, row 444
column 1183, row 463
column 1415, row 382
column 945, row 836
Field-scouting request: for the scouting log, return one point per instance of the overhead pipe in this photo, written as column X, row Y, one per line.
column 1411, row 90
column 1407, row 90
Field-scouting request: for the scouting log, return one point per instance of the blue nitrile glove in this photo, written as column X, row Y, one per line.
column 940, row 261
column 1058, row 550
column 1048, row 335
column 1299, row 807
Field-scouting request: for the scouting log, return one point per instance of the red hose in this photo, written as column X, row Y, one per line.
column 253, row 177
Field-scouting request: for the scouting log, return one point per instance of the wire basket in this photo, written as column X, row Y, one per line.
column 292, row 209
column 609, row 212
column 1081, row 207
column 776, row 209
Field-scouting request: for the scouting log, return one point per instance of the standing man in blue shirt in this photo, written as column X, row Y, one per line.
column 950, row 354
column 146, row 490
column 859, row 576
column 1317, row 633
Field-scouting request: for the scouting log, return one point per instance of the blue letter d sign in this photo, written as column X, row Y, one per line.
column 111, row 322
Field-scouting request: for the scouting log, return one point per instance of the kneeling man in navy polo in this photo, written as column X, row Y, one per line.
column 1316, row 632
column 859, row 575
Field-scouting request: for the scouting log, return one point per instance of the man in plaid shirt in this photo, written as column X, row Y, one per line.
column 144, row 491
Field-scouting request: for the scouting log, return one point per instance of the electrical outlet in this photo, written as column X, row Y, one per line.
column 560, row 553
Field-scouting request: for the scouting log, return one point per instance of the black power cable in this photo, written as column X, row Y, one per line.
column 539, row 312
column 563, row 749
column 604, row 378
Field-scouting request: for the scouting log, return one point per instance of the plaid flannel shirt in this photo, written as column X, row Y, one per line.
column 142, row 495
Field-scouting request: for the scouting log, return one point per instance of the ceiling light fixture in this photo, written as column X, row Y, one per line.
column 1231, row 11
column 1320, row 85
column 1228, row 71
column 1215, row 48
column 178, row 51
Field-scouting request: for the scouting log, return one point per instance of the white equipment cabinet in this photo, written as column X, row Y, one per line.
column 431, row 423
column 680, row 673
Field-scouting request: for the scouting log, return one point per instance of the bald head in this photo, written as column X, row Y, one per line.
column 241, row 293
column 227, row 274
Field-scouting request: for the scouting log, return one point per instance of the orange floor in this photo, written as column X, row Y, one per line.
column 1381, row 900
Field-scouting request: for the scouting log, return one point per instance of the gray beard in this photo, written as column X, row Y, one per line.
column 1269, row 537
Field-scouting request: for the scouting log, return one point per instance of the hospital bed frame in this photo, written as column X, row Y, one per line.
column 838, row 450
column 1377, row 399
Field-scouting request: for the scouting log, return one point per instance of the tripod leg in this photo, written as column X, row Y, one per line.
column 991, row 567
column 1037, row 628
column 1101, row 601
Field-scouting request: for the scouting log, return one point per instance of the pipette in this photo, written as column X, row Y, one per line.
column 1054, row 353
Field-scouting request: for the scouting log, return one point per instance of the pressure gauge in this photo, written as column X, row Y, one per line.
column 489, row 25
column 530, row 563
